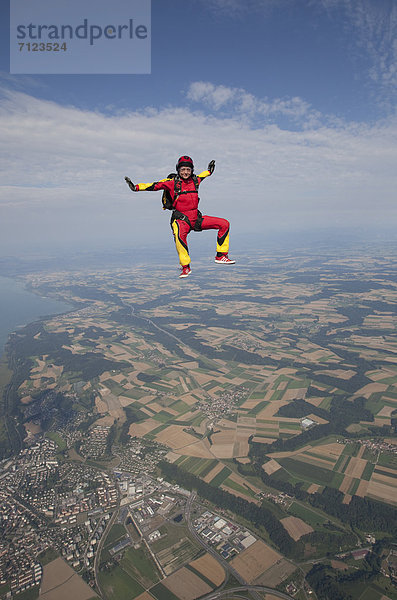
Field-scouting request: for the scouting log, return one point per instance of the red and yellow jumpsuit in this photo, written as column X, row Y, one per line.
column 187, row 204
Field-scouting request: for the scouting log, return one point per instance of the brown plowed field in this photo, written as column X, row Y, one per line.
column 293, row 453
column 186, row 585
column 223, row 450
column 276, row 574
column 371, row 388
column 313, row 488
column 334, row 450
column 318, row 462
column 296, row 527
column 361, row 452
column 255, row 560
column 271, row 467
column 240, row 494
column 208, row 566
column 362, row 488
column 140, row 429
column 355, row 467
column 379, row 478
column 263, row 440
column 174, row 437
column 382, row 491
column 200, row 449
column 346, row 483
column 241, row 481
column 210, row 476
column 386, row 411
column 61, row 582
column 386, row 469
column 271, row 408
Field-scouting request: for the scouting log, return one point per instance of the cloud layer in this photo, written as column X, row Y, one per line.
column 63, row 168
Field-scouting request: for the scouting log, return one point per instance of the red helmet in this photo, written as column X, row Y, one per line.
column 184, row 161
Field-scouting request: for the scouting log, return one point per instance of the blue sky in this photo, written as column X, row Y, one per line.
column 296, row 101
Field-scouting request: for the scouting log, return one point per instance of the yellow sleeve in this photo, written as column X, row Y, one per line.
column 153, row 186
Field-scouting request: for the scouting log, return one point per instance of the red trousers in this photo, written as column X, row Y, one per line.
column 181, row 229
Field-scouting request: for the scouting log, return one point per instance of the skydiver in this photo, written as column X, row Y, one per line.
column 180, row 194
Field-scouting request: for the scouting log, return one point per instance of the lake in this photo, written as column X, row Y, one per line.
column 19, row 307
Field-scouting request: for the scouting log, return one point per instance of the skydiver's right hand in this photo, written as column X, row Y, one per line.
column 211, row 166
column 130, row 184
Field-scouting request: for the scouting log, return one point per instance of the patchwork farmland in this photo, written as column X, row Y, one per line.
column 276, row 392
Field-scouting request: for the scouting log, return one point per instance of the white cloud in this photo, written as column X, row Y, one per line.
column 369, row 29
column 63, row 169
column 372, row 27
column 236, row 8
column 238, row 101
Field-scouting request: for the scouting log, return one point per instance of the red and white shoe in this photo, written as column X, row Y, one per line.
column 224, row 260
column 185, row 271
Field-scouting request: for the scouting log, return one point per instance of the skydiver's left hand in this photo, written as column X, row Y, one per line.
column 130, row 184
column 211, row 166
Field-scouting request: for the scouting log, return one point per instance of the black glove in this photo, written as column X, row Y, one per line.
column 171, row 176
column 211, row 166
column 130, row 184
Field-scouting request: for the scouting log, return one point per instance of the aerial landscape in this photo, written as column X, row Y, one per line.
column 179, row 440
column 198, row 381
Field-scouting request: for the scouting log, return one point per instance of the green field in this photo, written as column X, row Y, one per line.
column 354, row 486
column 30, row 594
column 344, row 467
column 192, row 464
column 341, row 463
column 180, row 406
column 368, row 470
column 326, row 403
column 118, row 585
column 257, row 409
column 388, row 460
column 210, row 464
column 369, row 455
column 320, row 456
column 239, row 488
column 351, row 449
column 55, row 437
column 292, row 426
column 312, row 473
column 163, row 416
column 160, row 592
column 155, row 431
column 381, row 471
column 257, row 395
column 220, row 478
column 116, row 532
column 307, row 515
column 138, row 564
column 172, row 535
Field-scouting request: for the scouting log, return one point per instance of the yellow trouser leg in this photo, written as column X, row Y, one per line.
column 224, row 245
column 181, row 247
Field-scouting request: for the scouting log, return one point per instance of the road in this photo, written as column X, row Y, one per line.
column 246, row 588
